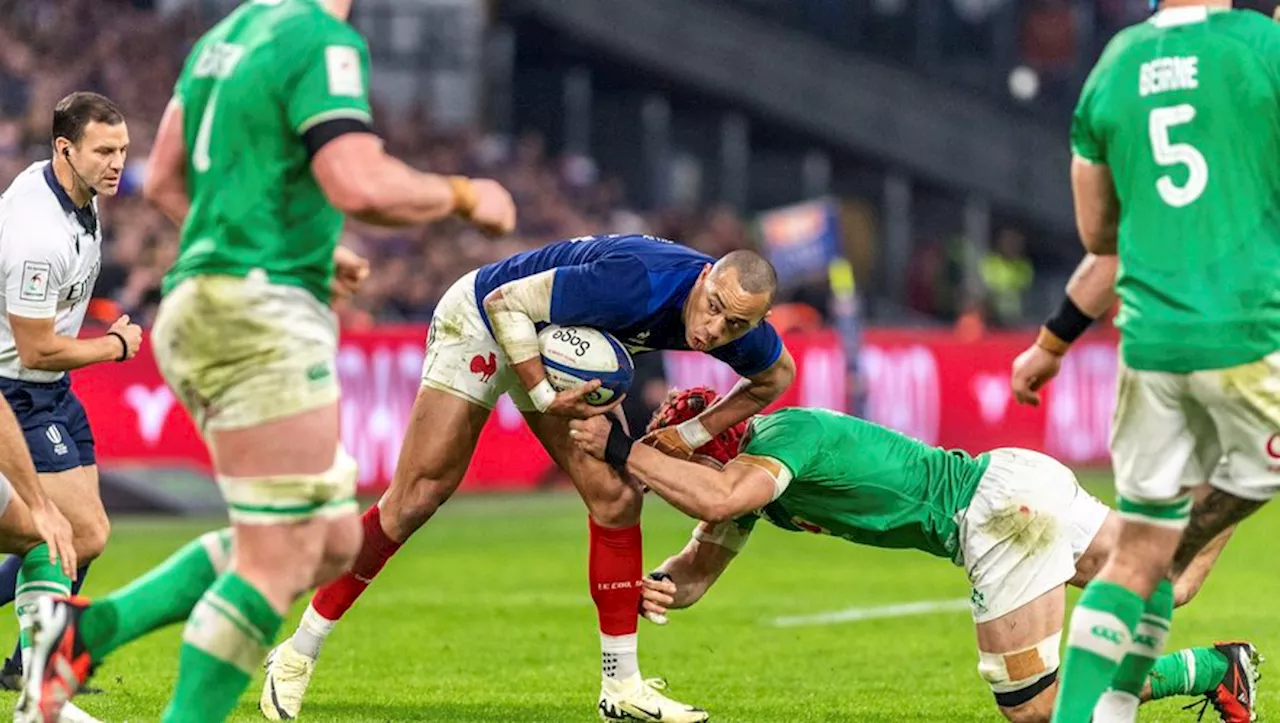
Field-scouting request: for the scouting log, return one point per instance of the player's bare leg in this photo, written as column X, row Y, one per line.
column 272, row 563
column 1018, row 657
column 1118, row 629
column 437, row 449
column 615, row 568
column 289, row 487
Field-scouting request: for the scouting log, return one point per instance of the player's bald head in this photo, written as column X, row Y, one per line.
column 753, row 273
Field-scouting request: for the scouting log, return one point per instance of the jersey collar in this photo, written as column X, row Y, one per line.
column 87, row 218
column 1172, row 17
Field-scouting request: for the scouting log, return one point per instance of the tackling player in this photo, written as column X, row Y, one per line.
column 1174, row 140
column 50, row 255
column 1017, row 521
column 264, row 146
column 651, row 294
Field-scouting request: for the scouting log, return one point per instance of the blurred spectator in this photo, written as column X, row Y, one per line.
column 1008, row 275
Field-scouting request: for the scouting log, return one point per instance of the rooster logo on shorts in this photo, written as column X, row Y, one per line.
column 486, row 368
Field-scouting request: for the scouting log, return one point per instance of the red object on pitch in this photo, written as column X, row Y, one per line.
column 333, row 600
column 683, row 405
column 615, row 566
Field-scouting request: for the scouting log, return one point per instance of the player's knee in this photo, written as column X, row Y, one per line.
column 91, row 538
column 1024, row 681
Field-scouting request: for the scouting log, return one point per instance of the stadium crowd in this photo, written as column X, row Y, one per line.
column 133, row 56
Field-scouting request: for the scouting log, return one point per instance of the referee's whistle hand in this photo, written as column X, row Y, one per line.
column 130, row 332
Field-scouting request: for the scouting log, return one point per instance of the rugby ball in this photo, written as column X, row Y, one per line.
column 574, row 355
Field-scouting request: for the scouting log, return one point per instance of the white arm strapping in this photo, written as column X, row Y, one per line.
column 514, row 315
column 726, row 534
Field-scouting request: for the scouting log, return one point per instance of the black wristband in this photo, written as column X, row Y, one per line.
column 618, row 448
column 124, row 345
column 1068, row 322
column 659, row 576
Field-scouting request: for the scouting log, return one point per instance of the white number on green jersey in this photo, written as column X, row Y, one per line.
column 217, row 61
column 1168, row 153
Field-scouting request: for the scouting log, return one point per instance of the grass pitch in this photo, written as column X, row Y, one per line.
column 484, row 616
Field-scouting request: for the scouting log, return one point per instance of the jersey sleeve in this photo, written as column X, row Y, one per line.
column 753, row 353
column 32, row 266
column 1086, row 141
column 609, row 293
column 331, row 82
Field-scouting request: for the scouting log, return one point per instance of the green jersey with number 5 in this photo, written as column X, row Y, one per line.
column 260, row 92
column 1185, row 111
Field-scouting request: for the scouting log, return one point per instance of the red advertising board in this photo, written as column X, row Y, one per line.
column 927, row 384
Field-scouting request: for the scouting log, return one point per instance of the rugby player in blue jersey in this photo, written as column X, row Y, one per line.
column 648, row 292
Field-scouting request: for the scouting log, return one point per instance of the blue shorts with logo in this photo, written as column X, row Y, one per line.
column 53, row 421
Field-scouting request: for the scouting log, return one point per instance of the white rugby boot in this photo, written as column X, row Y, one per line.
column 637, row 698
column 288, row 675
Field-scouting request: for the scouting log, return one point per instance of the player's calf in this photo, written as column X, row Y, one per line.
column 342, row 544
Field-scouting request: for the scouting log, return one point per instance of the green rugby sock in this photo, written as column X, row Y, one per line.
column 165, row 595
column 1193, row 671
column 1148, row 641
column 1098, row 639
column 37, row 578
column 224, row 642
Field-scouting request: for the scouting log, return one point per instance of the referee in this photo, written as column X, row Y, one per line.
column 50, row 255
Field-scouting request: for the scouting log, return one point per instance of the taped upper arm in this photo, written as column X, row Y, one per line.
column 758, row 478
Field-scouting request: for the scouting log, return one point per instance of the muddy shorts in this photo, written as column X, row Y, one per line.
column 1024, row 530
column 239, row 352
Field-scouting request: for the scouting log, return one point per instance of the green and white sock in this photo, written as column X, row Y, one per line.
column 1148, row 641
column 37, row 578
column 1193, row 671
column 1099, row 637
column 163, row 596
column 224, row 642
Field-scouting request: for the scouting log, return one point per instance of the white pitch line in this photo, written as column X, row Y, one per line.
column 850, row 615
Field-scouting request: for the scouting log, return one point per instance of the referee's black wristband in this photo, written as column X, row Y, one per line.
column 1068, row 322
column 124, row 345
column 618, row 448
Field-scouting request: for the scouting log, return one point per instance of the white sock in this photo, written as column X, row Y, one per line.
column 1116, row 707
column 311, row 633
column 618, row 656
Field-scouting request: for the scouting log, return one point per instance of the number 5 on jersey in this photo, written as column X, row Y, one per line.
column 1168, row 153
